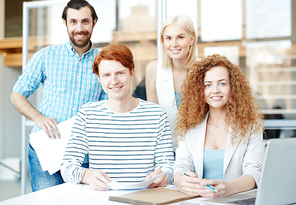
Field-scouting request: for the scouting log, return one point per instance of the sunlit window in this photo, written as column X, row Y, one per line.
column 231, row 53
column 137, row 29
column 271, row 75
column 187, row 7
column 221, row 20
column 270, row 18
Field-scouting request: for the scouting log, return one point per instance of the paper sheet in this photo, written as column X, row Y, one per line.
column 50, row 151
column 138, row 185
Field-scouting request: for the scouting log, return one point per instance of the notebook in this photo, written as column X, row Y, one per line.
column 278, row 177
column 155, row 196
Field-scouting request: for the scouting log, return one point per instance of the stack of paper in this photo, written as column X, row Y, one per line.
column 136, row 185
column 50, row 151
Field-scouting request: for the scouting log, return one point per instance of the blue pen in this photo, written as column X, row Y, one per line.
column 208, row 186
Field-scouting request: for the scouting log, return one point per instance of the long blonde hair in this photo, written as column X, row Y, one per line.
column 186, row 23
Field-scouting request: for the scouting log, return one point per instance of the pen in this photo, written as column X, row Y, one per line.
column 208, row 186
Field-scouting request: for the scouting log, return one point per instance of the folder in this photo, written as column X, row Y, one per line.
column 155, row 196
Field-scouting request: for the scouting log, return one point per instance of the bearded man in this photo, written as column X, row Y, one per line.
column 65, row 72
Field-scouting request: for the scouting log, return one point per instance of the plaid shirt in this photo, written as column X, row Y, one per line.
column 67, row 81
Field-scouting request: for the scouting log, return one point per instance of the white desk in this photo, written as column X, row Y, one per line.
column 73, row 194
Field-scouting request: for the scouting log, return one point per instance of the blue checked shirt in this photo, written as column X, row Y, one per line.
column 67, row 81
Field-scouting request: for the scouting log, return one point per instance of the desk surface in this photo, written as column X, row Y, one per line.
column 74, row 194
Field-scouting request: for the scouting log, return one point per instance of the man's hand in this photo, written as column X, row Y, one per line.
column 96, row 179
column 49, row 126
column 22, row 104
column 162, row 181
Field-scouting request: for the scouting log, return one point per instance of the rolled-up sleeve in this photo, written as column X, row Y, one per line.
column 32, row 76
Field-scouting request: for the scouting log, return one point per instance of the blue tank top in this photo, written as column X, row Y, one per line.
column 213, row 164
column 178, row 97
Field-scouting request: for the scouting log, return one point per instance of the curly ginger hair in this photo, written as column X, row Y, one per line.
column 243, row 113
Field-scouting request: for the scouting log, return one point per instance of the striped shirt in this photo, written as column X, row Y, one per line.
column 67, row 81
column 123, row 145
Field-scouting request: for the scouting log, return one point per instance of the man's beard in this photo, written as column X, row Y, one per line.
column 80, row 44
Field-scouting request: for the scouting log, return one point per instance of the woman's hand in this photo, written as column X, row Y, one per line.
column 226, row 188
column 223, row 188
column 188, row 184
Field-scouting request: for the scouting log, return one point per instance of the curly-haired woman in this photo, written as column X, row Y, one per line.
column 219, row 126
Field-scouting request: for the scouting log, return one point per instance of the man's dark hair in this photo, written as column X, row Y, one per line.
column 78, row 4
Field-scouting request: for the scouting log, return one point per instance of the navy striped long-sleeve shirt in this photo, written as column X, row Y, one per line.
column 123, row 145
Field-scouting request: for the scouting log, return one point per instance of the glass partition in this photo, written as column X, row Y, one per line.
column 137, row 29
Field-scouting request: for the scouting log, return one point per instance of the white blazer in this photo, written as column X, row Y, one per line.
column 239, row 159
column 166, row 94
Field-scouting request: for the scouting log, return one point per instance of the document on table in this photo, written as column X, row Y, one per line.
column 50, row 151
column 137, row 185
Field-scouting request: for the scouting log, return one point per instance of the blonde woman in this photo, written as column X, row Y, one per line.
column 165, row 77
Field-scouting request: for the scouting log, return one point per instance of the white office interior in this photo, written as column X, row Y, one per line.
column 259, row 36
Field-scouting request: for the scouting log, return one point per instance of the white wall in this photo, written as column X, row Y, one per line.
column 2, row 8
column 10, row 119
column 1, row 109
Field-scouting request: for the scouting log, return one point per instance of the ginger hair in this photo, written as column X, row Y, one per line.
column 115, row 52
column 243, row 113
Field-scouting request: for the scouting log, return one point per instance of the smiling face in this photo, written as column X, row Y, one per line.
column 177, row 42
column 217, row 87
column 80, row 26
column 115, row 79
